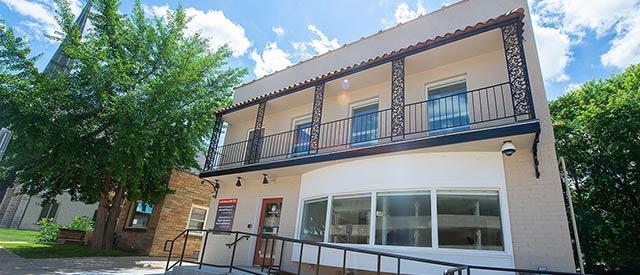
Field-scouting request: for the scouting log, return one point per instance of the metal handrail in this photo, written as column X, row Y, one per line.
column 452, row 267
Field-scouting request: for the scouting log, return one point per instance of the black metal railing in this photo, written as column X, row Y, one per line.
column 449, row 268
column 438, row 115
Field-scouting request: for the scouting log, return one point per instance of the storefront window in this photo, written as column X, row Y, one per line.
column 403, row 219
column 350, row 220
column 314, row 216
column 469, row 220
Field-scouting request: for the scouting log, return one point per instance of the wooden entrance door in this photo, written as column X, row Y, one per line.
column 269, row 225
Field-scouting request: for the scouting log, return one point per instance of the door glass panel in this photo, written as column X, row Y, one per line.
column 302, row 137
column 266, row 253
column 364, row 125
column 447, row 108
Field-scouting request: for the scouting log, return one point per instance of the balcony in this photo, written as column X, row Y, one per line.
column 442, row 117
column 489, row 99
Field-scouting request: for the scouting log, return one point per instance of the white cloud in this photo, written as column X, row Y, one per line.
column 40, row 16
column 272, row 59
column 213, row 25
column 574, row 18
column 278, row 30
column 554, row 47
column 625, row 47
column 572, row 87
column 323, row 44
column 404, row 13
column 318, row 45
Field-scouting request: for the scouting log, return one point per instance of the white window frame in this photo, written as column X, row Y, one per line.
column 294, row 123
column 327, row 215
column 206, row 214
column 333, row 197
column 433, row 191
column 360, row 104
column 444, row 83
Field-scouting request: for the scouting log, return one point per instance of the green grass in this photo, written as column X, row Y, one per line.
column 10, row 239
column 10, row 235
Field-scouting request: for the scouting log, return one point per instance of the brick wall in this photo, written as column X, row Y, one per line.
column 169, row 218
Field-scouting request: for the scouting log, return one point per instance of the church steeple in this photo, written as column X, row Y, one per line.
column 59, row 62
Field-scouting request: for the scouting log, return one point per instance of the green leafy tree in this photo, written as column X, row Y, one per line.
column 137, row 103
column 597, row 129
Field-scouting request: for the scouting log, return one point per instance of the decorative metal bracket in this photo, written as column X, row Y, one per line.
column 215, row 185
column 517, row 70
column 536, row 162
column 397, row 99
column 213, row 144
column 316, row 118
column 255, row 141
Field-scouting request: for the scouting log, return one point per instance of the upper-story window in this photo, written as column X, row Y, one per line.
column 447, row 106
column 364, row 123
column 301, row 136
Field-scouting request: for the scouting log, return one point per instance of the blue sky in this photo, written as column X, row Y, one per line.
column 576, row 42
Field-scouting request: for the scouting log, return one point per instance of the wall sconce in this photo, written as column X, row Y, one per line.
column 215, row 185
column 238, row 182
column 264, row 179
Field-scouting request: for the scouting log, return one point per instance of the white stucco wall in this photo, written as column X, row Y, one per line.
column 67, row 209
column 468, row 171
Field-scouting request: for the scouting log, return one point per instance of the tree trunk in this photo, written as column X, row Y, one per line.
column 101, row 220
column 112, row 219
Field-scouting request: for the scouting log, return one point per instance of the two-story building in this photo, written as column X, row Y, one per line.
column 430, row 139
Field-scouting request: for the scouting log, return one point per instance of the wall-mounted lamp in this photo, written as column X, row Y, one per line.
column 215, row 185
column 238, row 182
column 264, row 179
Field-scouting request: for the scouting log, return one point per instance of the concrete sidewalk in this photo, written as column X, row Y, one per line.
column 13, row 264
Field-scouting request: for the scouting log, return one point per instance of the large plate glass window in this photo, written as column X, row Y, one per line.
column 141, row 214
column 469, row 220
column 403, row 219
column 447, row 106
column 301, row 137
column 364, row 124
column 350, row 220
column 314, row 217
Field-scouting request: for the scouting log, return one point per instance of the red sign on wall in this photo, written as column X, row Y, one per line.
column 225, row 214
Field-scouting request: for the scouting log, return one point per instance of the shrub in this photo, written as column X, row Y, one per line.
column 48, row 231
column 82, row 223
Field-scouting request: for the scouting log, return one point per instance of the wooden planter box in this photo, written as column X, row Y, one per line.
column 71, row 236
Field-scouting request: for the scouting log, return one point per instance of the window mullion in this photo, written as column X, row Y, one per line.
column 372, row 218
column 327, row 222
column 434, row 219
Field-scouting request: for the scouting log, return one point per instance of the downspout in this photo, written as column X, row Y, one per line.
column 565, row 176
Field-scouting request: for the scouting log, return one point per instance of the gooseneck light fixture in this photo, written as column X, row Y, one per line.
column 238, row 182
column 215, row 185
column 264, row 179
